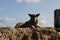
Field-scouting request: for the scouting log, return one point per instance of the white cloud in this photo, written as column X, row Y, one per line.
column 4, row 20
column 3, row 25
column 28, row 1
column 18, row 1
column 32, row 1
column 44, row 22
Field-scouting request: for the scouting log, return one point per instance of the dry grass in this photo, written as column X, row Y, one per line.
column 29, row 34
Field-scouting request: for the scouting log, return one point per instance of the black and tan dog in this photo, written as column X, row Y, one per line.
column 32, row 22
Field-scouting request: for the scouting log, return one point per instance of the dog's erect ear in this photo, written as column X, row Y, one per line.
column 37, row 15
column 30, row 15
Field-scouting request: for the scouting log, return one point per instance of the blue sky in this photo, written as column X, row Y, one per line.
column 14, row 11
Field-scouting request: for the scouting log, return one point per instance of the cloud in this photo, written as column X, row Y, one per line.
column 18, row 1
column 32, row 1
column 28, row 1
column 4, row 20
column 44, row 22
column 3, row 25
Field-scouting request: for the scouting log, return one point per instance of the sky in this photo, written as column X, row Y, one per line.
column 14, row 11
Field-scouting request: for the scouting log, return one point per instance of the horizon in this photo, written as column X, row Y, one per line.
column 14, row 11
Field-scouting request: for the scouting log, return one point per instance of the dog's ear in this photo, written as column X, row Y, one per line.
column 30, row 15
column 37, row 15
